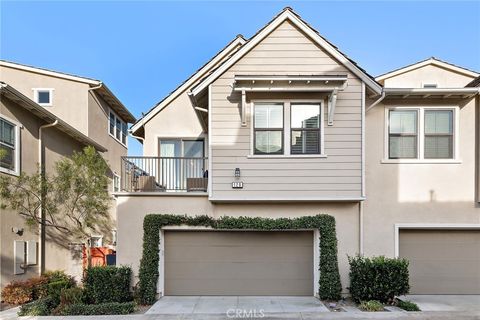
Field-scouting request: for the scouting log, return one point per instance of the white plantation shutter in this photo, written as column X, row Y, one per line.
column 403, row 134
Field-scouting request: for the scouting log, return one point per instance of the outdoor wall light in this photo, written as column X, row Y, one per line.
column 237, row 172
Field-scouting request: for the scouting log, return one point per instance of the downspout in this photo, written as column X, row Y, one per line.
column 41, row 169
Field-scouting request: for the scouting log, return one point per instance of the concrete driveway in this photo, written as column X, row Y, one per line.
column 236, row 306
column 446, row 302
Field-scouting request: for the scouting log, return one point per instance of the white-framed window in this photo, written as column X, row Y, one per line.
column 96, row 241
column 9, row 146
column 117, row 128
column 289, row 128
column 430, row 85
column 116, row 182
column 43, row 96
column 421, row 134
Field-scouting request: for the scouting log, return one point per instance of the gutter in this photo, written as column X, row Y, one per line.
column 382, row 96
column 41, row 227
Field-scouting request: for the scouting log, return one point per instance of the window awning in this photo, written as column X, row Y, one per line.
column 330, row 84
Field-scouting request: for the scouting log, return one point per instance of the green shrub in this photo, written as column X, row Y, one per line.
column 58, row 275
column 329, row 283
column 407, row 305
column 371, row 306
column 40, row 307
column 71, row 296
column 107, row 284
column 378, row 278
column 98, row 309
column 55, row 289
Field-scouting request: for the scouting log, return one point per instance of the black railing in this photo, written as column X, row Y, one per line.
column 149, row 174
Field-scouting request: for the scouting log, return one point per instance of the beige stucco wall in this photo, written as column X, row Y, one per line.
column 69, row 97
column 285, row 51
column 131, row 211
column 429, row 74
column 420, row 193
column 177, row 120
column 56, row 146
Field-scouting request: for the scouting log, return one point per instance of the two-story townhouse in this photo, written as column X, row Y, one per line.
column 286, row 125
column 91, row 110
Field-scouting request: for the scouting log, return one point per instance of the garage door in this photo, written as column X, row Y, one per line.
column 238, row 263
column 442, row 262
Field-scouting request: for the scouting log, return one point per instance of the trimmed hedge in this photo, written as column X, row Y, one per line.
column 40, row 307
column 107, row 284
column 329, row 283
column 98, row 309
column 378, row 278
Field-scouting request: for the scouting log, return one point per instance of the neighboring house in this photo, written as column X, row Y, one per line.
column 87, row 113
column 285, row 125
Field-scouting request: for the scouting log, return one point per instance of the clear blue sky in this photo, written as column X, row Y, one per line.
column 143, row 50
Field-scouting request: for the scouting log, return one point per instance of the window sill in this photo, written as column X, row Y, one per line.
column 10, row 172
column 424, row 161
column 45, row 104
column 286, row 156
column 115, row 138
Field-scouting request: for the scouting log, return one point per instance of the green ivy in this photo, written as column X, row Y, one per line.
column 329, row 283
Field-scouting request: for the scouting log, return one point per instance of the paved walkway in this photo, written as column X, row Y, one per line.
column 446, row 302
column 236, row 306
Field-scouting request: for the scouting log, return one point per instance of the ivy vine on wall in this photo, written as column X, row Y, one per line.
column 329, row 283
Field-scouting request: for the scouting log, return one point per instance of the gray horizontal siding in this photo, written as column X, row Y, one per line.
column 285, row 51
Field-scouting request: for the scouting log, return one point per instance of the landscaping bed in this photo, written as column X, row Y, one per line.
column 104, row 291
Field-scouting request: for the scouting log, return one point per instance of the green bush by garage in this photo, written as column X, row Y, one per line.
column 378, row 278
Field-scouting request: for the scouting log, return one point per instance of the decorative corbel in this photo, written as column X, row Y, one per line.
column 244, row 106
column 332, row 102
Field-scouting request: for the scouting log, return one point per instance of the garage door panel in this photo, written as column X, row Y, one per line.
column 238, row 263
column 221, row 253
column 250, row 270
column 442, row 261
column 242, row 287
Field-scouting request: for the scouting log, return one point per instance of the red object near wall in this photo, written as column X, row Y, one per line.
column 97, row 255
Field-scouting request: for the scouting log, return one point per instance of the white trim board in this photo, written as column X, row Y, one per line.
column 429, row 226
column 239, row 41
column 49, row 72
column 294, row 19
column 431, row 61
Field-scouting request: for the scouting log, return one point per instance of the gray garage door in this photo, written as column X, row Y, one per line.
column 442, row 262
column 238, row 263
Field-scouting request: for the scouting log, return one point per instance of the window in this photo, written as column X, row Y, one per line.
column 116, row 182
column 423, row 133
column 43, row 96
column 305, row 129
column 9, row 147
column 96, row 241
column 117, row 128
column 438, row 134
column 403, row 133
column 268, row 129
column 429, row 85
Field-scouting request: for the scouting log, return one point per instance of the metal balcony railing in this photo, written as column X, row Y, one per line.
column 164, row 174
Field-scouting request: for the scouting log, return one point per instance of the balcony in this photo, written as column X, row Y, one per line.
column 164, row 174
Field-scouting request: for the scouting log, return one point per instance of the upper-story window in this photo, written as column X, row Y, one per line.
column 268, row 129
column 289, row 128
column 9, row 147
column 43, row 96
column 305, row 128
column 117, row 128
column 424, row 133
column 430, row 85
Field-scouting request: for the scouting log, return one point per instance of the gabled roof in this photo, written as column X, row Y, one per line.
column 295, row 19
column 430, row 61
column 39, row 111
column 103, row 90
column 475, row 83
column 228, row 49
